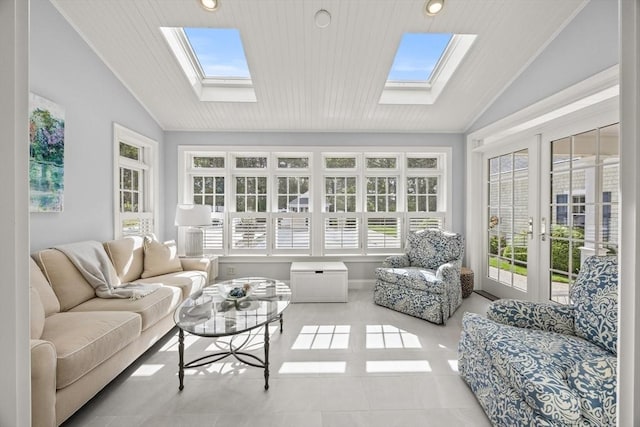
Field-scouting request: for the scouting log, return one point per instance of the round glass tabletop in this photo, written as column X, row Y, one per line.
column 233, row 306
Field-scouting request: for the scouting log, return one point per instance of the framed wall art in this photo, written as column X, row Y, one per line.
column 46, row 155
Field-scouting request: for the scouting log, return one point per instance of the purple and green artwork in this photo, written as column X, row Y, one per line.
column 46, row 155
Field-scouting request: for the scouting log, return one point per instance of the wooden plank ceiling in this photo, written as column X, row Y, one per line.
column 312, row 79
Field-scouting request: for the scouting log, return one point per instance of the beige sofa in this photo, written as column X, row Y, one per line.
column 79, row 342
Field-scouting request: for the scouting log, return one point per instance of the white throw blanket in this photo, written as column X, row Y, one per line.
column 94, row 264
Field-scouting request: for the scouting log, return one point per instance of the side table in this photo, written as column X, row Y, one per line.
column 466, row 281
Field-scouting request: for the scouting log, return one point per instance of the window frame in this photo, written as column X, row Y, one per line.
column 317, row 172
column 147, row 166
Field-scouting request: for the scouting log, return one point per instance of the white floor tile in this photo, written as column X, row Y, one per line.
column 353, row 364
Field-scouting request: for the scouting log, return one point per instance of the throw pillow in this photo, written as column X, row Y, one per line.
column 37, row 315
column 160, row 258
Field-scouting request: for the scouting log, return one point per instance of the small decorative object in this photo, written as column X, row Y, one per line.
column 235, row 292
column 46, row 155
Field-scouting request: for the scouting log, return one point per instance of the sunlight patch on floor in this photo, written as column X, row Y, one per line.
column 147, row 370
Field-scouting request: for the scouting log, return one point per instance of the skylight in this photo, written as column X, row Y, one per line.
column 417, row 56
column 423, row 65
column 213, row 62
column 219, row 52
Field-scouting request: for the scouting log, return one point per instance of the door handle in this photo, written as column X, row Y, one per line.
column 543, row 229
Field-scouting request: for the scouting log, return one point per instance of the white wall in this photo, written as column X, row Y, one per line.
column 586, row 46
column 65, row 70
column 15, row 375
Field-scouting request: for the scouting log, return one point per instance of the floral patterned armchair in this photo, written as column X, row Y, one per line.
column 425, row 281
column 547, row 364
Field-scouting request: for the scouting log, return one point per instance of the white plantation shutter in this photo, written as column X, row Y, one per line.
column 248, row 233
column 214, row 236
column 292, row 233
column 431, row 220
column 342, row 233
column 383, row 232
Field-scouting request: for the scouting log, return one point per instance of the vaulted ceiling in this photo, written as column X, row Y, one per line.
column 318, row 79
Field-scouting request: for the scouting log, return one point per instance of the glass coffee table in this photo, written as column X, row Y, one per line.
column 212, row 313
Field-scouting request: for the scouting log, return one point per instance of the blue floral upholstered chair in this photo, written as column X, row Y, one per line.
column 425, row 281
column 536, row 364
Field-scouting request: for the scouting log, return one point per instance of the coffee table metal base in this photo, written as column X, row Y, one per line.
column 235, row 351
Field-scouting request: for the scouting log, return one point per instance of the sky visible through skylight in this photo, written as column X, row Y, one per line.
column 417, row 56
column 219, row 51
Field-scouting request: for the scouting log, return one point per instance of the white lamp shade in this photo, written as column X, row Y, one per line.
column 193, row 215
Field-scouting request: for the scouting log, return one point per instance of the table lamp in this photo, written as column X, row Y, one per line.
column 193, row 217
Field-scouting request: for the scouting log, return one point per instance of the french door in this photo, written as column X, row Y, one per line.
column 581, row 191
column 511, row 203
column 542, row 219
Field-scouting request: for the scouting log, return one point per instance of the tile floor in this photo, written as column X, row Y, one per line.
column 353, row 364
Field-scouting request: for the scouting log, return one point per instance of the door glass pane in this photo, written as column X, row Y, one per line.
column 508, row 213
column 583, row 205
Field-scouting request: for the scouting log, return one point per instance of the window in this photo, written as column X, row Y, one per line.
column 317, row 202
column 384, row 225
column 206, row 180
column 562, row 208
column 219, row 52
column 417, row 56
column 213, row 61
column 423, row 65
column 135, row 165
column 584, row 203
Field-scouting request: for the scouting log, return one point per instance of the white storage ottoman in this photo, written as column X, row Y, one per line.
column 318, row 282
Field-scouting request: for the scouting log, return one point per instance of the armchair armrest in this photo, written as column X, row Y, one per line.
column 43, row 383
column 396, row 261
column 450, row 272
column 198, row 264
column 525, row 314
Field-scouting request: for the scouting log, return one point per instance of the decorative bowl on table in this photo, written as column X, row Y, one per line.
column 236, row 291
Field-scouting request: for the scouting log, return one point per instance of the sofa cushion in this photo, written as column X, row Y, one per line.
column 430, row 248
column 48, row 298
column 127, row 256
column 83, row 340
column 595, row 297
column 595, row 382
column 151, row 307
column 65, row 279
column 536, row 363
column 37, row 315
column 188, row 281
column 160, row 258
column 411, row 277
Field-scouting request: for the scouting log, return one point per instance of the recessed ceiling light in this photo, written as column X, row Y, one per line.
column 322, row 18
column 433, row 7
column 209, row 5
